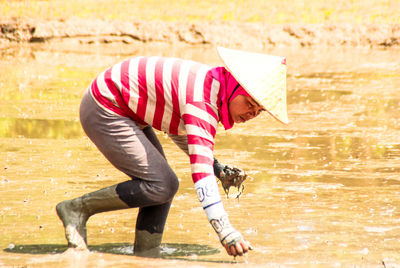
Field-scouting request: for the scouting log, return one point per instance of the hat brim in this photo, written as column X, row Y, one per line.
column 262, row 76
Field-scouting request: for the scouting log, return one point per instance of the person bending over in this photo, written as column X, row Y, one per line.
column 187, row 100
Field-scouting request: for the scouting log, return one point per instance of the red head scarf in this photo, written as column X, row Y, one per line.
column 229, row 89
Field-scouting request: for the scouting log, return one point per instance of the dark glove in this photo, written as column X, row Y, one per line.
column 218, row 169
column 229, row 177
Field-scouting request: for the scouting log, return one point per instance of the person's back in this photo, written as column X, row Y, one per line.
column 154, row 90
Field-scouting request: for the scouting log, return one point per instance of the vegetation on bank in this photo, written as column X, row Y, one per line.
column 262, row 11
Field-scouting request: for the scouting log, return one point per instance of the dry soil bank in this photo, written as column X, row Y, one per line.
column 235, row 34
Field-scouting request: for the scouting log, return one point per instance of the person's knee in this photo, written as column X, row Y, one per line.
column 173, row 186
column 140, row 193
column 167, row 188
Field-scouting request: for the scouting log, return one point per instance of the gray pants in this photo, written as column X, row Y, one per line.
column 138, row 153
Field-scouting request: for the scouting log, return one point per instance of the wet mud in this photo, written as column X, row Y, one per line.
column 323, row 191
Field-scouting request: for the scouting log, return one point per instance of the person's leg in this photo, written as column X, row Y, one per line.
column 149, row 229
column 74, row 213
column 127, row 147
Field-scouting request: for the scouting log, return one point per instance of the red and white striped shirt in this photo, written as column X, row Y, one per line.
column 172, row 95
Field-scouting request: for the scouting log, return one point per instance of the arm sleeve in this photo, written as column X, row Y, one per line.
column 181, row 141
column 201, row 123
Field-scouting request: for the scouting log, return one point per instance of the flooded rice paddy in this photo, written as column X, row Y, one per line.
column 324, row 191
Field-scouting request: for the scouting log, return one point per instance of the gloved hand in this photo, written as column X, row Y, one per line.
column 231, row 239
column 218, row 169
column 229, row 177
column 235, row 245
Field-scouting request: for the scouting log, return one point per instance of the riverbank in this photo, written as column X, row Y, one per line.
column 227, row 33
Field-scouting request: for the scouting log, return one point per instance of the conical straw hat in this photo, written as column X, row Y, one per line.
column 262, row 76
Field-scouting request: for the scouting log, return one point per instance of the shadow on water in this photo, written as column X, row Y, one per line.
column 168, row 250
column 175, row 251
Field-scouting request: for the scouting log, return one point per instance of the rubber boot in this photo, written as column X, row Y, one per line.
column 75, row 213
column 150, row 224
column 147, row 244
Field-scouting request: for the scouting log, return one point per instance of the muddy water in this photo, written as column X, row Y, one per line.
column 324, row 191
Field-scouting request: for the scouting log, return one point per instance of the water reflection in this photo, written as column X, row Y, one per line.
column 306, row 95
column 322, row 146
column 39, row 128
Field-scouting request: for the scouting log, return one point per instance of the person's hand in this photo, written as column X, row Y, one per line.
column 218, row 169
column 235, row 244
column 239, row 248
column 230, row 177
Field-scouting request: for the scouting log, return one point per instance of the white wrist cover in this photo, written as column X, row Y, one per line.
column 207, row 192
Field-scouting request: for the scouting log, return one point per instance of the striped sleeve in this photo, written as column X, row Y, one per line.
column 200, row 123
